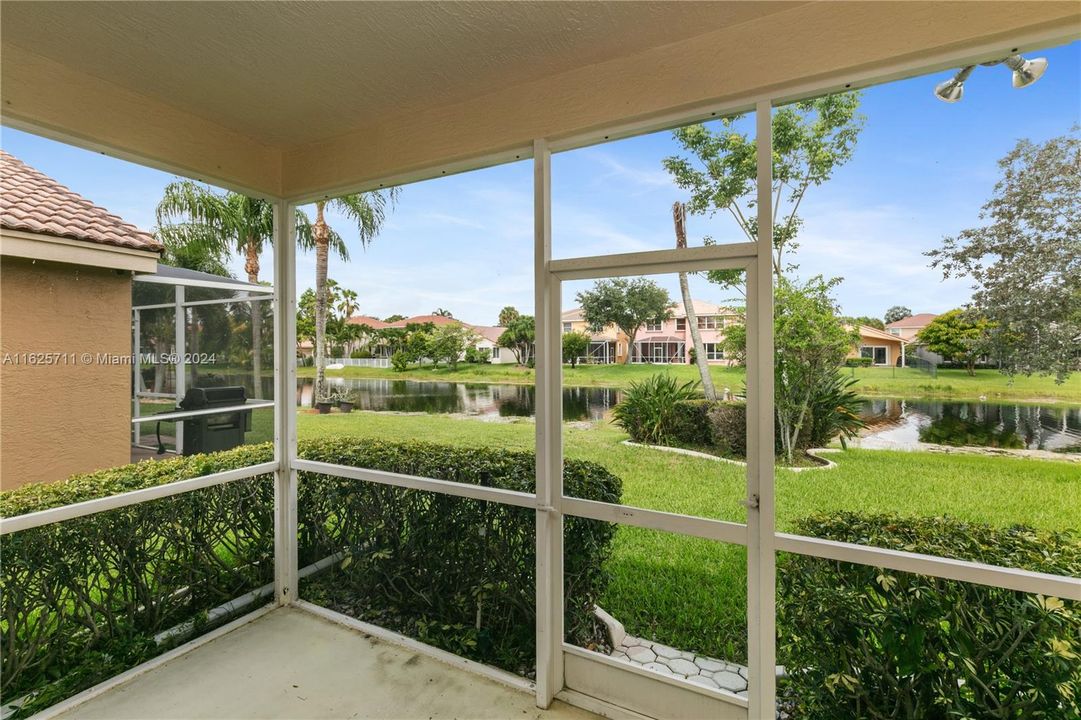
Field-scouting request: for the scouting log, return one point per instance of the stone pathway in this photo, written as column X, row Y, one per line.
column 711, row 673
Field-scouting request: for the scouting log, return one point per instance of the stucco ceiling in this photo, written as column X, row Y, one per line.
column 328, row 68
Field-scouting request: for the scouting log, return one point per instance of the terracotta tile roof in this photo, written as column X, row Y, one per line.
column 919, row 320
column 33, row 202
column 373, row 322
column 488, row 332
column 421, row 319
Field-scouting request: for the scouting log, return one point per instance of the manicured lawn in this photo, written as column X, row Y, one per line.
column 690, row 592
column 890, row 382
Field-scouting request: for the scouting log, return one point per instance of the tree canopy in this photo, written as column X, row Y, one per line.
column 895, row 313
column 627, row 303
column 958, row 336
column 575, row 345
column 811, row 139
column 518, row 337
column 1025, row 262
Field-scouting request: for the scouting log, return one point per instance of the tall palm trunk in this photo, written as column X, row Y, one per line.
column 679, row 216
column 251, row 266
column 321, row 236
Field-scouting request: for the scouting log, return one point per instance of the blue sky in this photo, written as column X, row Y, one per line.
column 921, row 170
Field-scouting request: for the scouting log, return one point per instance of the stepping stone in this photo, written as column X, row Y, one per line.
column 704, row 681
column 683, row 667
column 709, row 664
column 641, row 655
column 619, row 655
column 657, row 667
column 665, row 651
column 742, row 671
column 730, row 681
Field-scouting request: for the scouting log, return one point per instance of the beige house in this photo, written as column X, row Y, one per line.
column 883, row 349
column 66, row 268
column 907, row 328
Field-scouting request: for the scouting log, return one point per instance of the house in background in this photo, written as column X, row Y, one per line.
column 665, row 343
column 66, row 268
column 883, row 349
column 907, row 328
column 487, row 342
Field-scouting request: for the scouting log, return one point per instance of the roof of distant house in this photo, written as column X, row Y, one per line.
column 488, row 332
column 873, row 332
column 33, row 202
column 919, row 320
column 422, row 319
column 373, row 322
column 701, row 307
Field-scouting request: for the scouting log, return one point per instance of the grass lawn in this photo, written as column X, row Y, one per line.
column 691, row 593
column 889, row 382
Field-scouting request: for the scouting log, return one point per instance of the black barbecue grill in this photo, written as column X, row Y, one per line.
column 212, row 432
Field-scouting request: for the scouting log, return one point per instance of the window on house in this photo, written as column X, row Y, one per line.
column 713, row 351
column 877, row 353
column 681, row 323
column 567, row 327
column 653, row 327
column 707, row 322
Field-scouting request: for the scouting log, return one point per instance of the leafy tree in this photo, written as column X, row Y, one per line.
column 626, row 303
column 447, row 343
column 1025, row 262
column 575, row 345
column 518, row 337
column 195, row 216
column 393, row 318
column 508, row 315
column 811, row 139
column 856, row 320
column 895, row 313
column 958, row 336
column 306, row 316
column 810, row 344
column 735, row 343
column 367, row 211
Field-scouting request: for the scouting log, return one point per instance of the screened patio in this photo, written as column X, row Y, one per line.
column 299, row 102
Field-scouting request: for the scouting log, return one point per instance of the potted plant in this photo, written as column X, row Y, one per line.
column 347, row 400
column 325, row 402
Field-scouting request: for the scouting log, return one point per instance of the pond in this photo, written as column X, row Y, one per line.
column 892, row 422
column 896, row 423
column 480, row 399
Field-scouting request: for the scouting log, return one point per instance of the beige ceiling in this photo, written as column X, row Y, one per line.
column 298, row 99
column 290, row 73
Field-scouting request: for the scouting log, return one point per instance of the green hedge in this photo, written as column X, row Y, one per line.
column 864, row 642
column 82, row 600
column 721, row 425
column 859, row 362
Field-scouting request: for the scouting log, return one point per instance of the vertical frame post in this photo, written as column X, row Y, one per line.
column 180, row 372
column 549, row 438
column 761, row 558
column 285, row 419
column 136, row 372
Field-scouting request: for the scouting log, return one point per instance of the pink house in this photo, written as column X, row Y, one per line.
column 670, row 341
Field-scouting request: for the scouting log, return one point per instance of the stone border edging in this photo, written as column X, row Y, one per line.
column 813, row 452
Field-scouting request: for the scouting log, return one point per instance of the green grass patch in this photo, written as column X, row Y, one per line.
column 691, row 593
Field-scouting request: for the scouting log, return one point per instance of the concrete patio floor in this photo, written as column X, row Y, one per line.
column 291, row 664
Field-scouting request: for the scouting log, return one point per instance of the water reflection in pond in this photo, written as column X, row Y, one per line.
column 903, row 423
column 484, row 400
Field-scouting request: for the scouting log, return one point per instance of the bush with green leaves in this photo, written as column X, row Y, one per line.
column 858, row 362
column 400, row 361
column 82, row 600
column 720, row 425
column 864, row 642
column 650, row 410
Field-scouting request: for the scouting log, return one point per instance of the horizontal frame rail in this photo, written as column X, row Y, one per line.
column 185, row 414
column 731, row 256
column 963, row 570
column 198, row 303
column 413, row 482
column 135, row 497
column 721, row 530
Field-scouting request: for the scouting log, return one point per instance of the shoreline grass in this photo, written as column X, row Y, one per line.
column 873, row 382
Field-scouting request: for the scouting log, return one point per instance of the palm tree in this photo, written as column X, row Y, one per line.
column 440, row 312
column 679, row 217
column 195, row 216
column 368, row 211
column 347, row 303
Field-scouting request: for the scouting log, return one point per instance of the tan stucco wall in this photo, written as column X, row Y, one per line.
column 56, row 420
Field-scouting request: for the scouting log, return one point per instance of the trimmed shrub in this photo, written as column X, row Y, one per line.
column 649, row 409
column 82, row 600
column 399, row 361
column 721, row 425
column 865, row 642
column 858, row 362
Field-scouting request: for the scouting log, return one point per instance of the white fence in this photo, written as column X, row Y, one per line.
column 360, row 362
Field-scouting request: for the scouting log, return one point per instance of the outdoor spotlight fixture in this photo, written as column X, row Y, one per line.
column 1025, row 72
